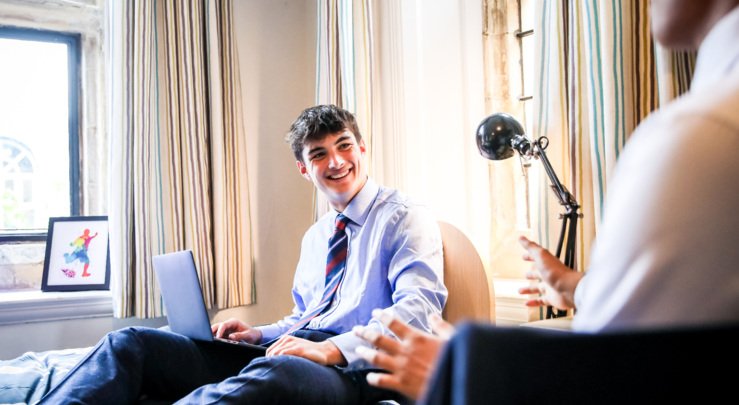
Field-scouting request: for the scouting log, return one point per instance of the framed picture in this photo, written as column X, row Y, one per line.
column 77, row 254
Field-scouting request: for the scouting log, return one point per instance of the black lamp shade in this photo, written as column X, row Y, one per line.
column 495, row 135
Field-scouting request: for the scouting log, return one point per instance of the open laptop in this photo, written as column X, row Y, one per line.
column 183, row 298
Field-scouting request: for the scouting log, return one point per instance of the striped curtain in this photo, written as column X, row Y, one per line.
column 354, row 71
column 178, row 159
column 345, row 66
column 598, row 74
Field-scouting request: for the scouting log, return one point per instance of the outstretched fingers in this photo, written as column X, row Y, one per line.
column 384, row 380
column 380, row 359
column 377, row 339
column 400, row 329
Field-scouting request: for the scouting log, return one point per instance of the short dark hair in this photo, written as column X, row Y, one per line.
column 315, row 123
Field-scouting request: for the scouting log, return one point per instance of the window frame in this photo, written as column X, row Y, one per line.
column 74, row 57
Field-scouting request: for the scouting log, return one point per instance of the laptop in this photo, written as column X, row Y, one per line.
column 183, row 299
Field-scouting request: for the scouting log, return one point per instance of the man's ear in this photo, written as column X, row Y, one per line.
column 303, row 170
column 362, row 146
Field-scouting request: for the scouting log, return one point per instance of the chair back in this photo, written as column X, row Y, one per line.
column 471, row 296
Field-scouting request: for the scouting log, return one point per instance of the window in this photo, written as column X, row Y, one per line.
column 526, row 42
column 53, row 142
column 39, row 130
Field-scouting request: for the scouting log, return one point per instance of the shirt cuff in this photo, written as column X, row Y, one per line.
column 577, row 296
column 269, row 332
column 347, row 344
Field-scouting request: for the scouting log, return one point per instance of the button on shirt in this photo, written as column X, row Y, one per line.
column 394, row 261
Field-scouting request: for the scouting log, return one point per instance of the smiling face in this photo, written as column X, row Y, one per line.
column 335, row 165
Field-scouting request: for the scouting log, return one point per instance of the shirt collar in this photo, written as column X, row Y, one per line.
column 360, row 205
column 719, row 53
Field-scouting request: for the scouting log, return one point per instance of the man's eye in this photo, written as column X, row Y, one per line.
column 317, row 156
column 345, row 146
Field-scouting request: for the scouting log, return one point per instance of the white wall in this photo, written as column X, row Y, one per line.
column 276, row 45
column 17, row 339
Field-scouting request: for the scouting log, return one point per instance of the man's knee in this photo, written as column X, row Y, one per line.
column 130, row 339
column 283, row 376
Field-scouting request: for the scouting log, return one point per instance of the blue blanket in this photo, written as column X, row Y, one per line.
column 24, row 380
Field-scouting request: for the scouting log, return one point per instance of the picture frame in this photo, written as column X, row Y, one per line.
column 77, row 254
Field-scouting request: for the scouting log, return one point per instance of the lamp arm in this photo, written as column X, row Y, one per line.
column 563, row 195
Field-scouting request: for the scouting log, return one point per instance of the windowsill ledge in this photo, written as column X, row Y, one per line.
column 38, row 306
column 510, row 306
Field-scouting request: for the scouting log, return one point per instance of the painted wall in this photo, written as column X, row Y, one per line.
column 276, row 45
column 39, row 336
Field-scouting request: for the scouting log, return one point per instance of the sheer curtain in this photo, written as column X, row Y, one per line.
column 598, row 74
column 178, row 158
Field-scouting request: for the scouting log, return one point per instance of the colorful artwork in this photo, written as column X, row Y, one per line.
column 76, row 254
column 80, row 245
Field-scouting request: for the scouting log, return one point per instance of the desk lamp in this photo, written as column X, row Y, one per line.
column 498, row 136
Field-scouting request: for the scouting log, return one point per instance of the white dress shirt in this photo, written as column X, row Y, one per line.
column 667, row 253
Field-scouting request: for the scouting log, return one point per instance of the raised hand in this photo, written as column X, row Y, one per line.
column 554, row 282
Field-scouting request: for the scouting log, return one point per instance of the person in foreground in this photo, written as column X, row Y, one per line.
column 373, row 249
column 665, row 257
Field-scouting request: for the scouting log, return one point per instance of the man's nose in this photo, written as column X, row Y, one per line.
column 335, row 160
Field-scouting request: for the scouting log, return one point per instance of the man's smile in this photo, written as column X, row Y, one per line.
column 339, row 176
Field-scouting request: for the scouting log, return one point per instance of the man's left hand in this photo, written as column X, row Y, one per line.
column 325, row 353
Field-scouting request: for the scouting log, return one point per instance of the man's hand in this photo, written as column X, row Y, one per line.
column 325, row 352
column 410, row 361
column 555, row 282
column 234, row 329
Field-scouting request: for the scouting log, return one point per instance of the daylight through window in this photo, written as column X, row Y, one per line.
column 38, row 128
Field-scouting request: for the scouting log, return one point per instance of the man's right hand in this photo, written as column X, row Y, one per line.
column 234, row 329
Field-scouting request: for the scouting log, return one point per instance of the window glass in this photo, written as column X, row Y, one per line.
column 37, row 128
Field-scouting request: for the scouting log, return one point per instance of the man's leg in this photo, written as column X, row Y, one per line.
column 130, row 362
column 289, row 380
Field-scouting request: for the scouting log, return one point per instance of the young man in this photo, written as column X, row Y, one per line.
column 666, row 255
column 373, row 249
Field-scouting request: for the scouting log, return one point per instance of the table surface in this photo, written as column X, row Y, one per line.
column 562, row 324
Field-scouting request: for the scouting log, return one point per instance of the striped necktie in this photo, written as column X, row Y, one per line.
column 335, row 269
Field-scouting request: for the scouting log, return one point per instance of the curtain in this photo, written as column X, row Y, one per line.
column 411, row 71
column 598, row 74
column 178, row 158
column 352, row 72
column 346, row 71
column 338, row 57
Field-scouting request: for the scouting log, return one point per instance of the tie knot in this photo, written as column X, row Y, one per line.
column 341, row 221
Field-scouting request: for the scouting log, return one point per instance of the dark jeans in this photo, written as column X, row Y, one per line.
column 132, row 362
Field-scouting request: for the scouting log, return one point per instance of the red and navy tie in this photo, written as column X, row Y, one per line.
column 335, row 269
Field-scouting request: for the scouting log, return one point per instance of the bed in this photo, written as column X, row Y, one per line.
column 25, row 379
